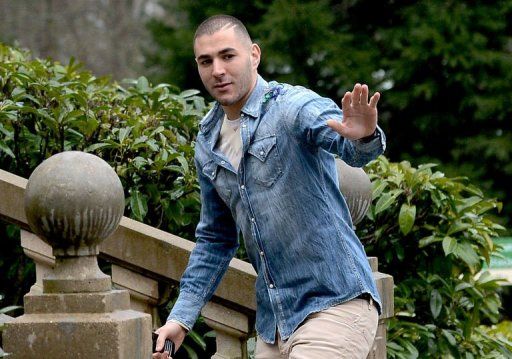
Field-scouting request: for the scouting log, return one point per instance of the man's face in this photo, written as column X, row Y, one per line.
column 227, row 66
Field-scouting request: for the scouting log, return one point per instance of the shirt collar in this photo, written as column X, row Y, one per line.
column 252, row 106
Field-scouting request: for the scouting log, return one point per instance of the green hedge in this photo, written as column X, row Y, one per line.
column 145, row 132
column 433, row 234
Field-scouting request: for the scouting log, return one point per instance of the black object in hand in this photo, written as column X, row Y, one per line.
column 168, row 345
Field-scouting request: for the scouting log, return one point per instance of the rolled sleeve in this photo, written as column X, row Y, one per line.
column 186, row 310
column 377, row 145
column 311, row 112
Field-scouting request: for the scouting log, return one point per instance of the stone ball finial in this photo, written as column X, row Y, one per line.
column 356, row 187
column 73, row 201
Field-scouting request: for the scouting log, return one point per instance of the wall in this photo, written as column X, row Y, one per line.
column 108, row 36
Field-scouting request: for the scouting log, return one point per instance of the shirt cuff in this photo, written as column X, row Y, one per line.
column 378, row 142
column 187, row 329
column 186, row 310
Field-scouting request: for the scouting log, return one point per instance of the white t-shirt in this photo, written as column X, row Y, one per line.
column 230, row 141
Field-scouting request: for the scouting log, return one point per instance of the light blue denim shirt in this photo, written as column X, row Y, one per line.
column 285, row 201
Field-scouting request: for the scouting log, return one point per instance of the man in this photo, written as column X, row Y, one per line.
column 264, row 157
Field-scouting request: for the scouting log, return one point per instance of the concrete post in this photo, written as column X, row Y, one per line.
column 73, row 201
column 357, row 190
column 385, row 286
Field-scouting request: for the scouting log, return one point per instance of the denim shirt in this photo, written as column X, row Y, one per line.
column 285, row 201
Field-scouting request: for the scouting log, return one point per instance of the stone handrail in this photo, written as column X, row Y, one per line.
column 147, row 261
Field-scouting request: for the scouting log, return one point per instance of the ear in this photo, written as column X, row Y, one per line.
column 255, row 55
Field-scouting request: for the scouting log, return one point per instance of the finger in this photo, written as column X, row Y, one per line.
column 364, row 94
column 160, row 342
column 356, row 94
column 374, row 99
column 345, row 101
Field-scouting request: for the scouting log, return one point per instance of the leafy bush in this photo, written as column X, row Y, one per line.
column 432, row 234
column 145, row 133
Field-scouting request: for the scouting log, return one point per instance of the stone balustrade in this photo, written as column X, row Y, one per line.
column 73, row 201
column 148, row 262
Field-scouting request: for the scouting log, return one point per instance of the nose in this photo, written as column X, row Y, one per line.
column 218, row 68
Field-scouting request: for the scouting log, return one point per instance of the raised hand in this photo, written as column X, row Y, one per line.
column 359, row 115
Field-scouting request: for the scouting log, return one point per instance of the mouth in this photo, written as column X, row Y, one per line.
column 221, row 86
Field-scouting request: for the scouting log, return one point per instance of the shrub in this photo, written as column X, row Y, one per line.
column 432, row 234
column 145, row 133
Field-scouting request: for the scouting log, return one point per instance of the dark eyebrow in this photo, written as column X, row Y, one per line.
column 221, row 52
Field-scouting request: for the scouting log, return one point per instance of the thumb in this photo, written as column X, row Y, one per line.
column 160, row 342
column 337, row 126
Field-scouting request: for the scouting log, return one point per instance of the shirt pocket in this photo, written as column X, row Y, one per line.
column 265, row 162
column 215, row 174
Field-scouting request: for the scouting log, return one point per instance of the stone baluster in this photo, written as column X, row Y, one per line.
column 385, row 285
column 144, row 291
column 231, row 329
column 73, row 201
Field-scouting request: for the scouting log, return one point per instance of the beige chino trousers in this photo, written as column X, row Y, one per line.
column 343, row 331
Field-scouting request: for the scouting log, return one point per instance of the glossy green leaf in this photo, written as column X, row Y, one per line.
column 386, row 200
column 449, row 245
column 143, row 84
column 467, row 253
column 406, row 217
column 436, row 303
column 449, row 337
column 4, row 148
column 458, row 226
column 429, row 240
column 189, row 93
column 378, row 187
column 139, row 205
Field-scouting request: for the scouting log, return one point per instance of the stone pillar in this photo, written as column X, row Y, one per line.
column 231, row 329
column 385, row 286
column 73, row 201
column 357, row 191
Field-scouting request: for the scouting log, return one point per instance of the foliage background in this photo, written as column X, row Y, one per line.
column 434, row 234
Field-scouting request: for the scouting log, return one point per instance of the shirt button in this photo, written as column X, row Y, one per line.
column 253, row 220
column 262, row 153
column 242, row 187
column 213, row 173
column 244, row 125
column 271, row 286
column 222, row 162
column 262, row 253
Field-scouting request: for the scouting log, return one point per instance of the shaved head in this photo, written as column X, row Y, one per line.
column 221, row 22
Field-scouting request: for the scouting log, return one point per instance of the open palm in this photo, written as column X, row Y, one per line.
column 359, row 115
